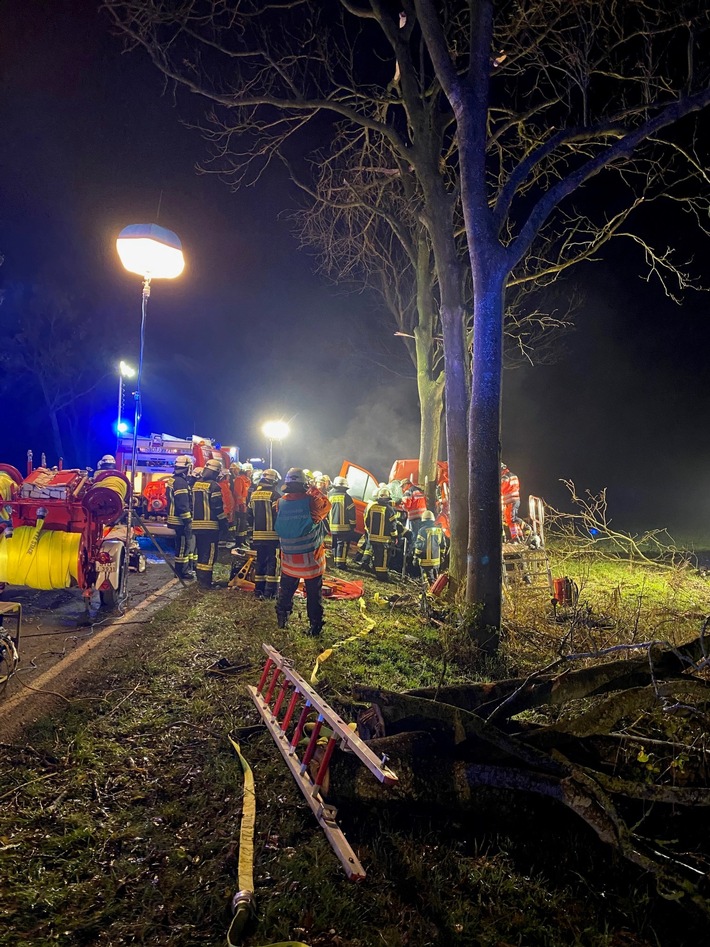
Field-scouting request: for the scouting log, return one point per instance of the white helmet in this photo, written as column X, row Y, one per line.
column 183, row 460
column 341, row 482
column 296, row 475
column 197, row 471
column 248, row 469
column 384, row 493
column 107, row 462
column 270, row 476
column 427, row 515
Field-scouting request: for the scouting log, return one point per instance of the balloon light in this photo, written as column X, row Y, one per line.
column 150, row 251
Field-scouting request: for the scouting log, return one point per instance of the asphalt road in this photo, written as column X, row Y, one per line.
column 56, row 624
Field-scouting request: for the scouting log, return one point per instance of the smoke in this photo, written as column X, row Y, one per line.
column 383, row 427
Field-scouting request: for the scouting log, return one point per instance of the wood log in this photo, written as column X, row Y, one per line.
column 511, row 697
column 433, row 778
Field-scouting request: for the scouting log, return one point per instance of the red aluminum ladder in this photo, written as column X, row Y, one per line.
column 277, row 683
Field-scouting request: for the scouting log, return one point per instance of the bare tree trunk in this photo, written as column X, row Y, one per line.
column 484, row 575
column 440, row 224
column 456, row 437
column 489, row 269
column 431, row 392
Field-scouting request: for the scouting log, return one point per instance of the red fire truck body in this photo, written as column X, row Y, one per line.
column 155, row 459
column 58, row 529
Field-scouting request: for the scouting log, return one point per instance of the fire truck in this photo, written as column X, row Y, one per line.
column 60, row 528
column 155, row 459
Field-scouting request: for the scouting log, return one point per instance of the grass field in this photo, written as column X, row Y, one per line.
column 119, row 816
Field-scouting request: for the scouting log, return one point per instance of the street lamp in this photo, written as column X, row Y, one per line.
column 152, row 252
column 124, row 371
column 274, row 431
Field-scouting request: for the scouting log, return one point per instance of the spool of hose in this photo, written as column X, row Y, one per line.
column 52, row 565
column 7, row 486
column 106, row 499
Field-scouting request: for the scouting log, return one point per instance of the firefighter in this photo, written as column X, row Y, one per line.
column 323, row 482
column 225, row 485
column 208, row 520
column 510, row 501
column 363, row 553
column 240, row 488
column 381, row 526
column 107, row 462
column 300, row 525
column 262, row 513
column 179, row 499
column 414, row 503
column 342, row 520
column 429, row 546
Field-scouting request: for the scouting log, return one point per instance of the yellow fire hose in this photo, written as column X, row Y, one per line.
column 243, row 904
column 7, row 485
column 35, row 535
column 117, row 484
column 324, row 655
column 39, row 559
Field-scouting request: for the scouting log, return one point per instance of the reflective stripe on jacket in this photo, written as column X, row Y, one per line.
column 429, row 544
column 207, row 506
column 177, row 494
column 381, row 523
column 262, row 512
column 342, row 511
column 510, row 488
column 414, row 502
column 304, row 556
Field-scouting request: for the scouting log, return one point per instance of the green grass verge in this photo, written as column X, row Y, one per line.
column 120, row 812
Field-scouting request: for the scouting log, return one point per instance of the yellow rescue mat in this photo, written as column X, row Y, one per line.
column 243, row 904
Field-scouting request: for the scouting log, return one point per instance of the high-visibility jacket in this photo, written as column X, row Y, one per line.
column 414, row 502
column 509, row 488
column 240, row 489
column 381, row 522
column 304, row 558
column 177, row 494
column 227, row 498
column 429, row 545
column 262, row 511
column 342, row 511
column 207, row 506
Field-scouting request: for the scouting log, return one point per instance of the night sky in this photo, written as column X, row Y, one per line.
column 90, row 144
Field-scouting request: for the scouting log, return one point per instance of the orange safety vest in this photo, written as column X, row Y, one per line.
column 510, row 488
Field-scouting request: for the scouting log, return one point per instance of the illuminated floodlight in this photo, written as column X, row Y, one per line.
column 150, row 251
column 122, row 427
column 275, row 430
column 126, row 370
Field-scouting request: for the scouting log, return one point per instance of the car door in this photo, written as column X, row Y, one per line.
column 362, row 485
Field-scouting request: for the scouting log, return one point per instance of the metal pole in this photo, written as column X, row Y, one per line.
column 271, row 452
column 134, row 446
column 120, row 409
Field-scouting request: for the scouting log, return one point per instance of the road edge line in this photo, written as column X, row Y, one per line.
column 38, row 685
